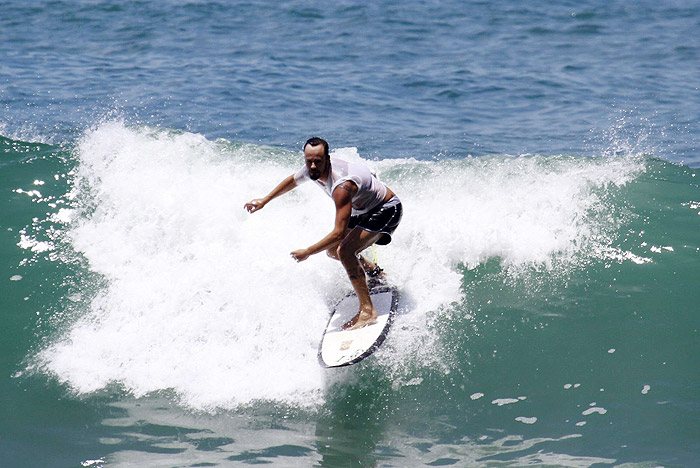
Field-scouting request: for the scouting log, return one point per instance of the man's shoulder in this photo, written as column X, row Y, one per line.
column 346, row 167
column 344, row 190
column 302, row 175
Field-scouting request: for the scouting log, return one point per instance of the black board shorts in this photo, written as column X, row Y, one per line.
column 384, row 218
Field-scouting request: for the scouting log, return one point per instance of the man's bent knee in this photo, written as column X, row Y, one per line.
column 333, row 253
column 346, row 254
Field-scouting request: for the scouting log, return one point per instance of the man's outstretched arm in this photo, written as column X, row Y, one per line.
column 342, row 197
column 259, row 203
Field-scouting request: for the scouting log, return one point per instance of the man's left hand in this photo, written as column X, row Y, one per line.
column 300, row 255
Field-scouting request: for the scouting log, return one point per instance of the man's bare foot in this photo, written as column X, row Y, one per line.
column 362, row 319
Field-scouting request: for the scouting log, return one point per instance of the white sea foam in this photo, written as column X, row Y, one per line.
column 506, row 401
column 594, row 409
column 203, row 298
column 526, row 420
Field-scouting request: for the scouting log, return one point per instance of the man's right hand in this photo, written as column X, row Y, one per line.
column 254, row 205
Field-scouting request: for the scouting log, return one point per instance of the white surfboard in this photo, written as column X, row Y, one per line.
column 344, row 347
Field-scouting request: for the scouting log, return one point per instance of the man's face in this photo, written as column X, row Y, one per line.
column 315, row 161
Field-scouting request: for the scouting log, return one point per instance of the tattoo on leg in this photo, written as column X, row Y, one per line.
column 355, row 272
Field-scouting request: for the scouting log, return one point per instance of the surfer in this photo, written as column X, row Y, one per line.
column 366, row 212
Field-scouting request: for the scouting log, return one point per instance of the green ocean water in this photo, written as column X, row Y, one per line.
column 581, row 353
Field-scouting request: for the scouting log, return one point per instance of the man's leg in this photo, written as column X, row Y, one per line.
column 356, row 241
column 367, row 264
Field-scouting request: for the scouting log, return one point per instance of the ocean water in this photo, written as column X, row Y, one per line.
column 548, row 160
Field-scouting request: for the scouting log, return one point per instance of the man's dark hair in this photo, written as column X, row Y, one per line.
column 315, row 141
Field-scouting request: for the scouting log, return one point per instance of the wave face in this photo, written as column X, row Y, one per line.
column 550, row 296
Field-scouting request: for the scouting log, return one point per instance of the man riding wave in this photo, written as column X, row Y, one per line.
column 366, row 212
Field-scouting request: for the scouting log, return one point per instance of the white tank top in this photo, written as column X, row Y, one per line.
column 371, row 191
